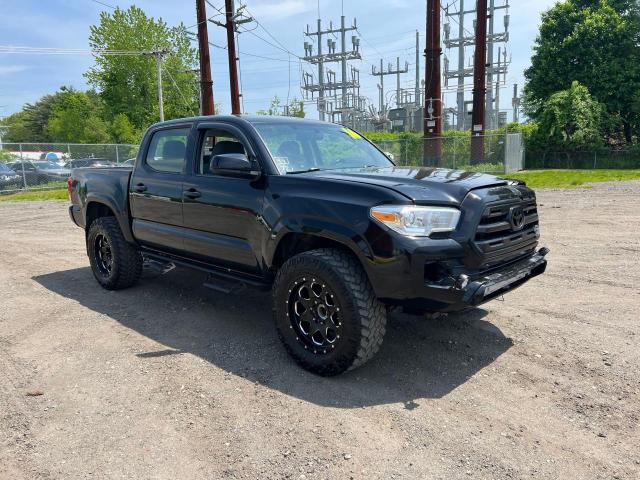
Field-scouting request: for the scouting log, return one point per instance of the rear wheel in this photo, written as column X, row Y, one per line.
column 116, row 264
column 326, row 312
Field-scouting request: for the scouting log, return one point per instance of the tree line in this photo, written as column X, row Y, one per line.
column 582, row 89
column 122, row 99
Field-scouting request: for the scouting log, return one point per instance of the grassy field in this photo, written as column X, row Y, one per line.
column 60, row 194
column 572, row 178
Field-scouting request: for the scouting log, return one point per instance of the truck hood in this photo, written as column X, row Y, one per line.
column 420, row 184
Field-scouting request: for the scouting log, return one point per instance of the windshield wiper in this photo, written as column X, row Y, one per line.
column 296, row 172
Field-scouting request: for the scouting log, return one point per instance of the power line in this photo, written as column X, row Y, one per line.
column 104, row 4
column 10, row 49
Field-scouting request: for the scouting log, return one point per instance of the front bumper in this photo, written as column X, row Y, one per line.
column 466, row 288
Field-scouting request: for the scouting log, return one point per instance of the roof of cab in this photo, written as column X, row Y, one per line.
column 239, row 119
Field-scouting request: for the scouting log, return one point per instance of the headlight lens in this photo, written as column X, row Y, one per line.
column 415, row 221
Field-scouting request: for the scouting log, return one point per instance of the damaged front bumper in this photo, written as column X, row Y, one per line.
column 466, row 288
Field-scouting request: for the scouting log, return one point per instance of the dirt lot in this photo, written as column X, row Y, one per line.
column 171, row 380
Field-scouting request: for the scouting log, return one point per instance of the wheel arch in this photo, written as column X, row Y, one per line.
column 97, row 207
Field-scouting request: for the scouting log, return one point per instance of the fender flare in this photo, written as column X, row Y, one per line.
column 122, row 217
column 322, row 228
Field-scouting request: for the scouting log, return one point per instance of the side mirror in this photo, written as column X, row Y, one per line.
column 233, row 165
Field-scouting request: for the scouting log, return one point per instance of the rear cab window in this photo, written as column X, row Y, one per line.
column 167, row 150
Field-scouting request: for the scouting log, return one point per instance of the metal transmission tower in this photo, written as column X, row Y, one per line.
column 464, row 39
column 516, row 101
column 390, row 71
column 349, row 103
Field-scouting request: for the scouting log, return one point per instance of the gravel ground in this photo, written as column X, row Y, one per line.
column 171, row 380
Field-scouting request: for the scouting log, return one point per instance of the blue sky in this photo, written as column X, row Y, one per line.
column 387, row 27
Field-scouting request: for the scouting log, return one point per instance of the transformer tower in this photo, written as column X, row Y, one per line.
column 349, row 104
column 465, row 38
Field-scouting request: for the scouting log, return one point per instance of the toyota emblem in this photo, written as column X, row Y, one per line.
column 516, row 218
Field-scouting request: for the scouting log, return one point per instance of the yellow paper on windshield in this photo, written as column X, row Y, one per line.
column 351, row 133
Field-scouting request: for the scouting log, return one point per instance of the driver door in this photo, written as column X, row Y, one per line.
column 220, row 212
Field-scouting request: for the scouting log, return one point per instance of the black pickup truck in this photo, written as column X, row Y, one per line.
column 318, row 214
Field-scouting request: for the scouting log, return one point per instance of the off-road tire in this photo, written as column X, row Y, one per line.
column 126, row 259
column 363, row 318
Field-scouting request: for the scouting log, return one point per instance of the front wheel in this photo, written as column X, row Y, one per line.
column 115, row 263
column 326, row 312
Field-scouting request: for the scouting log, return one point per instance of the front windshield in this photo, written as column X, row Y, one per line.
column 5, row 169
column 46, row 165
column 297, row 147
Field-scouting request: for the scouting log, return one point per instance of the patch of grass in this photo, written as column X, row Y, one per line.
column 59, row 194
column 572, row 178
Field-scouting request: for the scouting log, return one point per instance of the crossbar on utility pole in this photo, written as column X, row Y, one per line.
column 479, row 84
column 433, row 88
column 232, row 19
column 207, row 105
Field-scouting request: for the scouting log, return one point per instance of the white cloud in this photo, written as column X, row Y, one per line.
column 9, row 69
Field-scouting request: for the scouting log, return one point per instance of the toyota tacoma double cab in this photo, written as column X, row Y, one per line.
column 316, row 213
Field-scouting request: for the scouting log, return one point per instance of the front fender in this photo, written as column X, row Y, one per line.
column 320, row 227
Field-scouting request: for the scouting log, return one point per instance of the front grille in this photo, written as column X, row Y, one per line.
column 496, row 238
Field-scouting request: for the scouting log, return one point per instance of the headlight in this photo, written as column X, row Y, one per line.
column 415, row 221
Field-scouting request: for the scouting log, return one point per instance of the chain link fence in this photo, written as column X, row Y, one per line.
column 500, row 153
column 598, row 159
column 37, row 166
column 41, row 166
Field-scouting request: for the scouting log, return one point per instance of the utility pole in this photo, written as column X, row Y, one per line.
column 479, row 85
column 233, row 66
column 321, row 59
column 433, row 88
column 159, row 73
column 417, row 86
column 206, row 84
column 233, row 19
column 159, row 54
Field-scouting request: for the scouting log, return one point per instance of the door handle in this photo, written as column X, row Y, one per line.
column 141, row 187
column 192, row 193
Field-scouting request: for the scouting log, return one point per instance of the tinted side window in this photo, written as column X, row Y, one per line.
column 217, row 142
column 167, row 151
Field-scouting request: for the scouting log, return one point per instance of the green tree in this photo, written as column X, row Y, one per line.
column 571, row 119
column 128, row 83
column 296, row 108
column 17, row 130
column 596, row 43
column 122, row 131
column 76, row 118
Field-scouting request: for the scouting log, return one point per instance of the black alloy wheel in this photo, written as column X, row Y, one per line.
column 314, row 313
column 116, row 263
column 104, row 256
column 326, row 312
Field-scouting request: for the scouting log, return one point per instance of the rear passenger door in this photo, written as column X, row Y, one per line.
column 156, row 188
column 222, row 213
